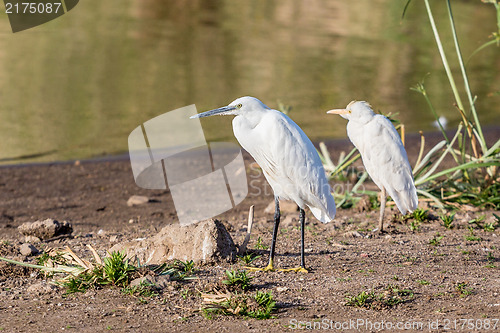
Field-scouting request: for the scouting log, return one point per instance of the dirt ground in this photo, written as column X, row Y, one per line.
column 455, row 283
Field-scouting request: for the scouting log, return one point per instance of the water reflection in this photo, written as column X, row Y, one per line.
column 80, row 84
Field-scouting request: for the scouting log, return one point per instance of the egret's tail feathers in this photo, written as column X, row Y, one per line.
column 406, row 201
column 325, row 215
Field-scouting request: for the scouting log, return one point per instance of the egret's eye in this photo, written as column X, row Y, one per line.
column 350, row 111
column 239, row 106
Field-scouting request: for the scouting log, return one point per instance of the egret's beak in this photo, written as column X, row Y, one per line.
column 225, row 110
column 338, row 111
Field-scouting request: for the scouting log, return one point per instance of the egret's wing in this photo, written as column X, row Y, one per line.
column 300, row 170
column 387, row 163
column 289, row 161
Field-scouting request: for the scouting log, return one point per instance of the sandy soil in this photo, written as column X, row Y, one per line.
column 451, row 281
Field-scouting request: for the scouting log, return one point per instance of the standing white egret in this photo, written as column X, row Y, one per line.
column 383, row 155
column 288, row 158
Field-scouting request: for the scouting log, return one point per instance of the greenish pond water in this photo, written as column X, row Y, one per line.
column 77, row 86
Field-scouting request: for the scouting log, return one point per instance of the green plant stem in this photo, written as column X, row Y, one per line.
column 466, row 79
column 444, row 59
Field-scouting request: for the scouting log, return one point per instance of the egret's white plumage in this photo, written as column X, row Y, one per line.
column 287, row 157
column 383, row 154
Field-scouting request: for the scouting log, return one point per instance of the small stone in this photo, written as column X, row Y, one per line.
column 281, row 289
column 27, row 249
column 364, row 255
column 136, row 200
column 290, row 221
column 41, row 288
column 113, row 239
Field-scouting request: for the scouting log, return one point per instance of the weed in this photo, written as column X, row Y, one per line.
column 145, row 289
column 395, row 278
column 238, row 279
column 414, row 226
column 491, row 260
column 471, row 237
column 249, row 258
column 390, row 296
column 259, row 245
column 423, row 282
column 178, row 271
column 436, row 239
column 448, row 220
column 420, row 215
column 463, row 289
column 477, row 222
column 259, row 306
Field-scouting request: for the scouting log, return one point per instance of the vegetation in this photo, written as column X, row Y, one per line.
column 238, row 279
column 474, row 179
column 390, row 296
column 259, row 306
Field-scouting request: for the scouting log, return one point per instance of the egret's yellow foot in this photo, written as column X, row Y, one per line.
column 299, row 269
column 268, row 268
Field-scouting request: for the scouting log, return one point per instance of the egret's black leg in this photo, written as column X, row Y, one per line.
column 383, row 198
column 302, row 218
column 277, row 217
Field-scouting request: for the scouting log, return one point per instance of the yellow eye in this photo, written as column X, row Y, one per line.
column 239, row 106
column 350, row 111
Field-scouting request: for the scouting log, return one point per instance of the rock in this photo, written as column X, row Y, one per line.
column 136, row 200
column 27, row 249
column 291, row 220
column 203, row 242
column 41, row 288
column 285, row 207
column 45, row 229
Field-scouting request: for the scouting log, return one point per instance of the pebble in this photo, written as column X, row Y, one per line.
column 136, row 200
column 27, row 249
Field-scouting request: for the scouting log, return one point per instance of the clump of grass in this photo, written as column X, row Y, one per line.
column 471, row 236
column 448, row 220
column 420, row 215
column 259, row 306
column 436, row 239
column 389, row 297
column 237, row 279
column 178, row 271
column 248, row 258
column 144, row 289
column 423, row 282
column 463, row 289
column 117, row 269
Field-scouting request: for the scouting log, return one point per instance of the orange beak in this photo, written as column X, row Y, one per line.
column 338, row 111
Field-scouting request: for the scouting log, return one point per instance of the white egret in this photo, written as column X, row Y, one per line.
column 288, row 159
column 383, row 155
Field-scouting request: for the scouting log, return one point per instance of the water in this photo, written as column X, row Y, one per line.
column 77, row 86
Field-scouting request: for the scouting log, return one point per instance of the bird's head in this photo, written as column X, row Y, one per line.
column 239, row 106
column 356, row 110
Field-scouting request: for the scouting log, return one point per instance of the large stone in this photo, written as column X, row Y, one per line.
column 45, row 229
column 285, row 207
column 206, row 242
